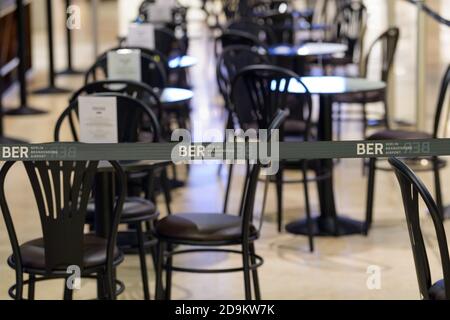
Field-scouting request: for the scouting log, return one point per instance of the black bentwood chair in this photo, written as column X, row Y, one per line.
column 236, row 37
column 136, row 210
column 350, row 28
column 233, row 59
column 153, row 69
column 137, row 181
column 254, row 27
column 61, row 190
column 258, row 92
column 215, row 230
column 388, row 42
column 412, row 187
column 440, row 124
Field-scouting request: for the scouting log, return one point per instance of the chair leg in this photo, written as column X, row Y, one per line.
column 255, row 272
column 370, row 195
column 437, row 186
column 166, row 190
column 159, row 271
column 245, row 260
column 31, row 286
column 308, row 208
column 153, row 249
column 339, row 121
column 142, row 259
column 168, row 273
column 110, row 284
column 68, row 293
column 227, row 191
column 279, row 187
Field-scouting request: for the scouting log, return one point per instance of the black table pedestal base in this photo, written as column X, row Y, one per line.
column 23, row 111
column 69, row 72
column 326, row 227
column 51, row 90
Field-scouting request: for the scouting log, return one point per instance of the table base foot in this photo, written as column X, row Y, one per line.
column 326, row 227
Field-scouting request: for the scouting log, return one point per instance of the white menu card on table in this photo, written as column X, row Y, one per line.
column 124, row 64
column 160, row 12
column 98, row 119
column 141, row 35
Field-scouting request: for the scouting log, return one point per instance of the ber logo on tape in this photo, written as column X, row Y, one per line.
column 15, row 152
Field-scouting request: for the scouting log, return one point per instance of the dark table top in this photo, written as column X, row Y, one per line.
column 175, row 95
column 182, row 62
column 335, row 85
column 308, row 49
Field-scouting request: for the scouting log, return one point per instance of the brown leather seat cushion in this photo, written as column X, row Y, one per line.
column 359, row 97
column 437, row 291
column 133, row 207
column 291, row 127
column 33, row 253
column 399, row 134
column 294, row 127
column 201, row 227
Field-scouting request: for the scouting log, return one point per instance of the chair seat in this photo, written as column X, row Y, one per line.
column 33, row 253
column 399, row 134
column 437, row 291
column 202, row 227
column 294, row 127
column 360, row 97
column 134, row 208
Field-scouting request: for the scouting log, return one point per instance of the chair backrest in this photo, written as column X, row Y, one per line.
column 138, row 90
column 236, row 37
column 442, row 114
column 351, row 25
column 282, row 25
column 156, row 55
column 266, row 87
column 167, row 42
column 255, row 27
column 411, row 187
column 261, row 8
column 231, row 61
column 62, row 190
column 388, row 41
column 251, row 180
column 134, row 118
column 152, row 67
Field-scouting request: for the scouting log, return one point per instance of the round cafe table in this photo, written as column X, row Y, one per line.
column 329, row 222
column 182, row 62
column 171, row 95
column 307, row 49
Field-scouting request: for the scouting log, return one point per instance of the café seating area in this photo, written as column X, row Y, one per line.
column 143, row 72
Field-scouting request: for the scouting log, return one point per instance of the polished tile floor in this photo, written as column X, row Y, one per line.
column 340, row 268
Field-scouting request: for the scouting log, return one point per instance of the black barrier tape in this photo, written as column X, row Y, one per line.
column 221, row 151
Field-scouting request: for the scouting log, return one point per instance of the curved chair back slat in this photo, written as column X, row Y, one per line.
column 388, row 41
column 442, row 114
column 412, row 188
